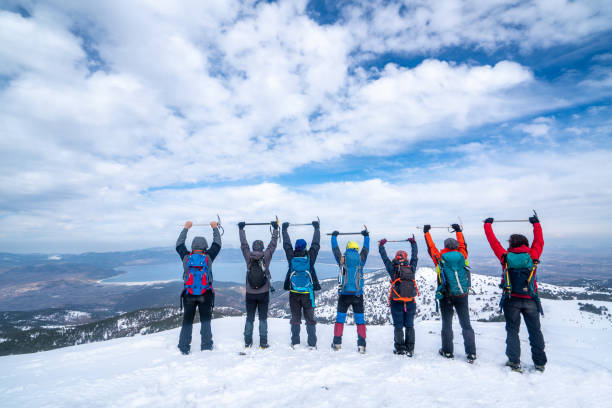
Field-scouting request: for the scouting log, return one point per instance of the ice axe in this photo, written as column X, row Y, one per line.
column 350, row 233
column 401, row 240
column 222, row 231
column 265, row 223
column 304, row 224
column 450, row 229
column 534, row 213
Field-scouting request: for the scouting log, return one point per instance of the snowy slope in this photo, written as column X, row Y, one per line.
column 148, row 370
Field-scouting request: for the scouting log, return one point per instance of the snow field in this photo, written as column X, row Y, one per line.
column 149, row 371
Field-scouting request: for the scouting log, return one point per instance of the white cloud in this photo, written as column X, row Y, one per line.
column 201, row 92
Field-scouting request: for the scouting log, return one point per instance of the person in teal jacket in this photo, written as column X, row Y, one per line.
column 350, row 287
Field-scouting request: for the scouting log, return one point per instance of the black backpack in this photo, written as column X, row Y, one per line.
column 403, row 287
column 256, row 273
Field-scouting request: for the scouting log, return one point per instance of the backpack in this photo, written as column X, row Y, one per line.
column 519, row 274
column 301, row 280
column 256, row 273
column 403, row 285
column 198, row 279
column 454, row 274
column 350, row 279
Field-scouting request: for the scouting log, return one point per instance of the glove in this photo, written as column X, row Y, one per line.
column 241, row 225
column 274, row 224
column 382, row 242
column 426, row 228
column 365, row 233
column 534, row 219
column 456, row 227
column 315, row 224
column 489, row 220
column 335, row 233
column 285, row 225
column 412, row 240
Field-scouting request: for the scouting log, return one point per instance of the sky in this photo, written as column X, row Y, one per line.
column 120, row 120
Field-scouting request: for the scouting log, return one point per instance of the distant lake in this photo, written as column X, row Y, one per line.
column 222, row 272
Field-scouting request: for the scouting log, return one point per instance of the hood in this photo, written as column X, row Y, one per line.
column 451, row 243
column 199, row 243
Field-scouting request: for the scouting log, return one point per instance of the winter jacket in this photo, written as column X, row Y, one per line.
column 212, row 252
column 315, row 245
column 389, row 264
column 534, row 252
column 435, row 254
column 363, row 256
column 256, row 255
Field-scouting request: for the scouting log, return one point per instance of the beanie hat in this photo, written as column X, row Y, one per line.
column 300, row 245
column 258, row 245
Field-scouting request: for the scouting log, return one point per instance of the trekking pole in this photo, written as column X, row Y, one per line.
column 221, row 229
column 305, row 224
column 349, row 233
column 534, row 213
column 401, row 240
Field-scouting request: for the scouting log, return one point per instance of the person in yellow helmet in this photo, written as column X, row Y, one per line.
column 350, row 287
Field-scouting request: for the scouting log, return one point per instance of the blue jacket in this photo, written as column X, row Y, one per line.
column 363, row 255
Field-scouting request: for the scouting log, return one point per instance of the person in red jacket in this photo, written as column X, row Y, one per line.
column 519, row 263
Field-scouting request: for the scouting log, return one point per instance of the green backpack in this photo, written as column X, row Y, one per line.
column 454, row 273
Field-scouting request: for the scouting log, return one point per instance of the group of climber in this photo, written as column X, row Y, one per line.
column 520, row 298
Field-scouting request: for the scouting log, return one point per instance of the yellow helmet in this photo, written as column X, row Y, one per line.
column 352, row 245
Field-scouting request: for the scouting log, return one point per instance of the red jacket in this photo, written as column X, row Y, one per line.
column 535, row 251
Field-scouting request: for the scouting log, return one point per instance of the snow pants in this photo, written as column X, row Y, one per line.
column 300, row 302
column 460, row 304
column 256, row 302
column 204, row 303
column 344, row 302
column 513, row 309
column 402, row 314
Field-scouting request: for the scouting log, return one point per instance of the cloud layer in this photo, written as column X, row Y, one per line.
column 120, row 120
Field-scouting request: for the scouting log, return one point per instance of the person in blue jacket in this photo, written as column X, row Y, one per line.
column 402, row 295
column 350, row 287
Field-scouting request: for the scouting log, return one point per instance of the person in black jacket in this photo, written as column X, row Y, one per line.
column 206, row 300
column 402, row 295
column 299, row 300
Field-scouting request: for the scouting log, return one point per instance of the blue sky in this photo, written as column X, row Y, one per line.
column 121, row 121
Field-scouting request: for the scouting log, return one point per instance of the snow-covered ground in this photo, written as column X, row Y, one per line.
column 148, row 371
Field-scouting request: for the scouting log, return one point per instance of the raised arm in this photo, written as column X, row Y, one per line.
column 462, row 246
column 315, row 244
column 431, row 247
column 216, row 245
column 244, row 245
column 335, row 249
column 365, row 249
column 287, row 246
column 271, row 246
column 414, row 254
column 497, row 248
column 385, row 258
column 537, row 245
column 181, row 249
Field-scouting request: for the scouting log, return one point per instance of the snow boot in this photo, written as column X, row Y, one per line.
column 446, row 354
column 471, row 358
column 399, row 351
column 409, row 353
column 263, row 346
column 540, row 368
column 336, row 346
column 361, row 349
column 514, row 366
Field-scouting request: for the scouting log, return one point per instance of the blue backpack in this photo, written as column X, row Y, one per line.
column 520, row 274
column 301, row 280
column 198, row 279
column 454, row 274
column 350, row 280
